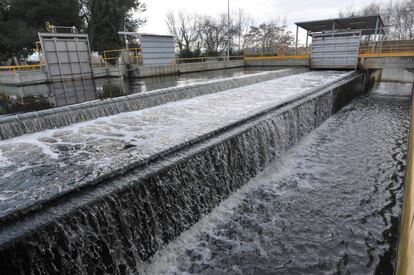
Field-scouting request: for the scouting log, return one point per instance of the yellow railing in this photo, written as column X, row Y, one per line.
column 301, row 51
column 388, row 48
column 203, row 59
column 111, row 56
column 269, row 57
column 16, row 68
column 405, row 263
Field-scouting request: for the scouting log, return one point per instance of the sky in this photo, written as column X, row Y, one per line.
column 259, row 10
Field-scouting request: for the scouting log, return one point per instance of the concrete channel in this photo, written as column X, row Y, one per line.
column 405, row 263
column 114, row 221
column 26, row 123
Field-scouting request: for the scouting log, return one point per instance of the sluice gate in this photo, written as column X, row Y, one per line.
column 105, row 219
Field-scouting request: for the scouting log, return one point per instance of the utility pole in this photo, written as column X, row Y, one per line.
column 228, row 30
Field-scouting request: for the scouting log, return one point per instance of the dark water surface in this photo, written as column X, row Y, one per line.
column 18, row 99
column 331, row 207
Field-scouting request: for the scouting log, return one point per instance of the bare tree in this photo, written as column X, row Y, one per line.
column 241, row 24
column 403, row 21
column 184, row 28
column 208, row 35
column 349, row 11
column 269, row 35
column 398, row 17
column 213, row 34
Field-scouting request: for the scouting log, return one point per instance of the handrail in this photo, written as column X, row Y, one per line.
column 388, row 48
column 119, row 50
column 206, row 58
column 135, row 55
column 299, row 56
column 386, row 54
column 20, row 67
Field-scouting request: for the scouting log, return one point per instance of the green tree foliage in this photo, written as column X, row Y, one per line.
column 104, row 18
column 21, row 20
column 11, row 44
column 36, row 13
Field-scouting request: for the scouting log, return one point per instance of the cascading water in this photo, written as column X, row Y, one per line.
column 161, row 170
column 62, row 160
column 17, row 125
column 332, row 206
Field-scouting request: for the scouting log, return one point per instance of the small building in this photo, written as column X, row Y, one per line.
column 336, row 42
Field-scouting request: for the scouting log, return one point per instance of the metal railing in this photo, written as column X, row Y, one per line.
column 114, row 56
column 302, row 51
column 111, row 57
column 387, row 48
column 16, row 68
column 203, row 59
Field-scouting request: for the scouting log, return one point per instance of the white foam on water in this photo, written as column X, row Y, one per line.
column 326, row 162
column 167, row 259
column 4, row 162
column 104, row 144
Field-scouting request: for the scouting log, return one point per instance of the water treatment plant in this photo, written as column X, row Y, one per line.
column 294, row 160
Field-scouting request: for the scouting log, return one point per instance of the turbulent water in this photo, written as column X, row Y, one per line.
column 18, row 99
column 331, row 206
column 39, row 166
column 20, row 124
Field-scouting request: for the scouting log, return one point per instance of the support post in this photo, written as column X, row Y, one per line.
column 375, row 35
column 307, row 38
column 379, row 39
column 297, row 35
column 126, row 39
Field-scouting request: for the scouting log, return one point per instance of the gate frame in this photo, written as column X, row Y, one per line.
column 337, row 34
column 55, row 37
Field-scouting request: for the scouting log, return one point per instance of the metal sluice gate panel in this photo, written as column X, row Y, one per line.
column 335, row 51
column 157, row 49
column 67, row 56
column 70, row 92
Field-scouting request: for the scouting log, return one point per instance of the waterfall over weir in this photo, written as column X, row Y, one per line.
column 17, row 125
column 116, row 224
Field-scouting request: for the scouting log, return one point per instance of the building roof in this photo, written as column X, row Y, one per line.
column 143, row 34
column 365, row 24
column 157, row 35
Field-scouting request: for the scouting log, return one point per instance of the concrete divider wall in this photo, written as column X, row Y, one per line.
column 38, row 76
column 291, row 62
column 397, row 62
column 116, row 225
column 405, row 262
column 148, row 71
column 398, row 75
column 26, row 123
column 23, row 77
